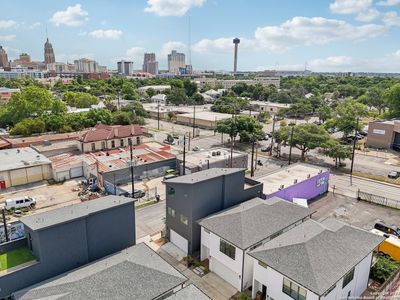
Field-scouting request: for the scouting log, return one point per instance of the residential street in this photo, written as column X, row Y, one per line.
column 150, row 220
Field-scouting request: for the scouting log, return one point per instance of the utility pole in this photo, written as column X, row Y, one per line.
column 189, row 142
column 272, row 136
column 252, row 158
column 208, row 163
column 290, row 149
column 158, row 115
column 352, row 155
column 255, row 166
column 184, row 155
column 233, row 118
column 132, row 178
column 3, row 212
column 194, row 119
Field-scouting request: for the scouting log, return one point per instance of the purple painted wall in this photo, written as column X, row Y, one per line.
column 307, row 189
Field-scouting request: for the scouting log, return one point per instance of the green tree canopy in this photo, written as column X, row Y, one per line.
column 230, row 105
column 305, row 137
column 393, row 100
column 79, row 99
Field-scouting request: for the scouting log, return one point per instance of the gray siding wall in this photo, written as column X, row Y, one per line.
column 106, row 235
column 70, row 245
column 197, row 201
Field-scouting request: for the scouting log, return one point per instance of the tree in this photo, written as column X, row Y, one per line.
column 28, row 127
column 305, row 137
column 177, row 96
column 31, row 102
column 198, row 99
column 392, row 97
column 128, row 91
column 79, row 99
column 324, row 113
column 337, row 151
column 150, row 92
column 374, row 98
column 190, row 87
column 230, row 105
column 248, row 128
column 345, row 117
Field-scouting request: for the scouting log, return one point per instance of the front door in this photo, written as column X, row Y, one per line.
column 264, row 292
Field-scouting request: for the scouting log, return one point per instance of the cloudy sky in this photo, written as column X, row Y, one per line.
column 325, row 35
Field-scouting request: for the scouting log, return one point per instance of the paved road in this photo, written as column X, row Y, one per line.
column 342, row 186
column 150, row 220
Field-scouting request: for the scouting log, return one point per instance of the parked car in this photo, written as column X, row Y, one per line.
column 17, row 203
column 166, row 141
column 388, row 229
column 394, row 174
column 363, row 133
column 17, row 213
column 196, row 148
column 137, row 194
column 265, row 149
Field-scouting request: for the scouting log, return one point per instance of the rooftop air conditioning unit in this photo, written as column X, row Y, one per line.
column 213, row 153
column 282, row 187
column 218, row 152
column 295, row 181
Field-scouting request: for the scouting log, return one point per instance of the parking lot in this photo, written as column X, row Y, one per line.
column 354, row 212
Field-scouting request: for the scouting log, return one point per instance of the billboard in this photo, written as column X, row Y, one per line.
column 15, row 231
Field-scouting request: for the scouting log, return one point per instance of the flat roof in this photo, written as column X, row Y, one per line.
column 18, row 158
column 272, row 104
column 287, row 176
column 201, row 157
column 204, row 175
column 207, row 116
column 134, row 273
column 241, row 226
column 317, row 255
column 71, row 212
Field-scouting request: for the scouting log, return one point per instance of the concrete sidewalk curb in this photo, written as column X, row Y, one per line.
column 372, row 180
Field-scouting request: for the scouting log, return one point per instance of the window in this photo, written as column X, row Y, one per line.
column 93, row 147
column 112, row 144
column 227, row 249
column 138, row 140
column 171, row 191
column 293, row 290
column 348, row 277
column 121, row 142
column 103, row 145
column 184, row 220
column 129, row 141
column 171, row 211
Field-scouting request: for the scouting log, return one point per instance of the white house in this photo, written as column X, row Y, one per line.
column 327, row 261
column 228, row 236
column 159, row 99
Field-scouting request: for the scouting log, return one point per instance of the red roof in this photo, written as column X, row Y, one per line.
column 4, row 143
column 103, row 132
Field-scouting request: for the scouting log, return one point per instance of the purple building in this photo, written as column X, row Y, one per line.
column 296, row 181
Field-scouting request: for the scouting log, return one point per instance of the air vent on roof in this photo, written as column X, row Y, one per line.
column 295, row 181
column 282, row 187
column 309, row 175
column 18, row 151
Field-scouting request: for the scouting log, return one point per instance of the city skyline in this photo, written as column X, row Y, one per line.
column 335, row 35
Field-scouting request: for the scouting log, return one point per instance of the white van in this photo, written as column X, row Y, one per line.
column 17, row 203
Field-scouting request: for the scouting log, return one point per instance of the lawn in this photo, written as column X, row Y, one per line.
column 15, row 257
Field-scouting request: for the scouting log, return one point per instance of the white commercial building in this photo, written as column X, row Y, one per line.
column 269, row 107
column 227, row 237
column 176, row 61
column 227, row 84
column 315, row 261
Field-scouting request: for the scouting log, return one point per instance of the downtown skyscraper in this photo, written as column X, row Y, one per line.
column 49, row 56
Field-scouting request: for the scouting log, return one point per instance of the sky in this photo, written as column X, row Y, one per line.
column 322, row 35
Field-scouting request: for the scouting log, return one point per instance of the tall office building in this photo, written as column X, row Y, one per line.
column 176, row 61
column 49, row 56
column 150, row 65
column 125, row 67
column 3, row 58
column 85, row 65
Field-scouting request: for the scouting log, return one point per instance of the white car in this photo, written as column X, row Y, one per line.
column 18, row 203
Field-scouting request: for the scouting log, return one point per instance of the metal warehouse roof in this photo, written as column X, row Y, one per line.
column 134, row 273
column 75, row 211
column 18, row 158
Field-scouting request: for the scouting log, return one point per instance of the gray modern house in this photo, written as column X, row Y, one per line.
column 69, row 237
column 195, row 196
column 134, row 273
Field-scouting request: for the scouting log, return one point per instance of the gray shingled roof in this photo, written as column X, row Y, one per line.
column 75, row 211
column 317, row 255
column 204, row 175
column 191, row 292
column 134, row 273
column 252, row 221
